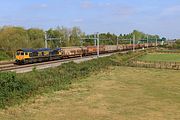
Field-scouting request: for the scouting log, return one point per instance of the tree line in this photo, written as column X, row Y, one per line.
column 13, row 38
column 177, row 44
column 173, row 45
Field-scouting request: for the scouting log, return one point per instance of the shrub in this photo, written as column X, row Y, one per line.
column 12, row 89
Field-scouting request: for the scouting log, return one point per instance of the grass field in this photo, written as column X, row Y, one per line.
column 119, row 93
column 161, row 57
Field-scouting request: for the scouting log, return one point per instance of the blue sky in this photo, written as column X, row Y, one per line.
column 116, row 16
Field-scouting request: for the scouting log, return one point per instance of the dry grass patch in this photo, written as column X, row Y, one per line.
column 120, row 93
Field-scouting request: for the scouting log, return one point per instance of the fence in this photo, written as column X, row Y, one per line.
column 168, row 52
column 155, row 64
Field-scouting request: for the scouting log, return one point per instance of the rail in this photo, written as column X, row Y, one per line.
column 13, row 67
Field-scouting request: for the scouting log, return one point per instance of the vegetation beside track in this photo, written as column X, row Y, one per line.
column 4, row 56
column 119, row 93
column 14, row 88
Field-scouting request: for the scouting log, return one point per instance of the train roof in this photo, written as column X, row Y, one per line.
column 43, row 49
column 27, row 50
column 57, row 49
column 38, row 50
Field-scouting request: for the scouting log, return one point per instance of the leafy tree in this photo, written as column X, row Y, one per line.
column 139, row 35
column 36, row 37
column 13, row 38
column 177, row 44
column 75, row 36
column 55, row 38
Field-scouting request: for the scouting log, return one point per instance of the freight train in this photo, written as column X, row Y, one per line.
column 26, row 56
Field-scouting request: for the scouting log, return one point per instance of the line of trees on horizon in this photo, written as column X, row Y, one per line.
column 15, row 37
column 173, row 44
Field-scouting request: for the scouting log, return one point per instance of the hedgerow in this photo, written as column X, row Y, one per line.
column 14, row 88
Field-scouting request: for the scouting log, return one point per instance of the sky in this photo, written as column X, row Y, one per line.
column 160, row 17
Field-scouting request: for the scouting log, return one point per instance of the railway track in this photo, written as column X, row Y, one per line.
column 10, row 66
column 6, row 64
column 14, row 67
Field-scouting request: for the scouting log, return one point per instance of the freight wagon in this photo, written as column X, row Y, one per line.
column 93, row 49
column 111, row 48
column 71, row 52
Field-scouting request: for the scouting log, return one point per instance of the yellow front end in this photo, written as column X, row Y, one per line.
column 22, row 56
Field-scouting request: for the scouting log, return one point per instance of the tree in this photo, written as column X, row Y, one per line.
column 36, row 37
column 75, row 36
column 139, row 35
column 67, row 37
column 13, row 38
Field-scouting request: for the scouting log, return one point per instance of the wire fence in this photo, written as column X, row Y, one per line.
column 154, row 64
column 168, row 52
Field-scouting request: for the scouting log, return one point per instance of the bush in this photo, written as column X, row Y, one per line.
column 12, row 89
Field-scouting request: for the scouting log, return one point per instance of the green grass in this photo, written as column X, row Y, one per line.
column 119, row 93
column 174, row 50
column 161, row 57
column 4, row 56
column 169, row 50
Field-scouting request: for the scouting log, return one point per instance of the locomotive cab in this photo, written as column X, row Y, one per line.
column 23, row 55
